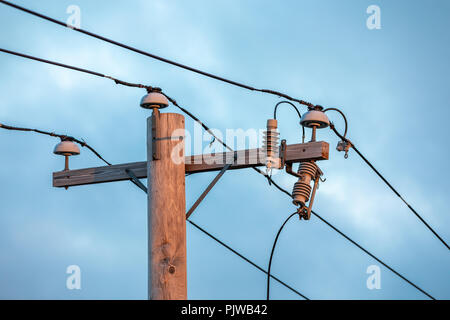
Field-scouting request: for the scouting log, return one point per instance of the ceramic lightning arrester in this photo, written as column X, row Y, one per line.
column 271, row 145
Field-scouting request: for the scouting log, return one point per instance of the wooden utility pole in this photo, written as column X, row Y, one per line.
column 166, row 207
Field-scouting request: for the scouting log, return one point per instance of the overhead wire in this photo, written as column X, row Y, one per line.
column 244, row 86
column 298, row 113
column 272, row 182
column 356, row 244
column 371, row 166
column 246, row 259
column 117, row 81
column 273, row 250
column 153, row 56
column 94, row 73
column 84, row 144
column 61, row 136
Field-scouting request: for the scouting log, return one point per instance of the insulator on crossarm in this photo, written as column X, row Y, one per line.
column 66, row 148
column 315, row 118
column 271, row 145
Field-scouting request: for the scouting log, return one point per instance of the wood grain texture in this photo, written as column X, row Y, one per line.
column 166, row 212
column 193, row 164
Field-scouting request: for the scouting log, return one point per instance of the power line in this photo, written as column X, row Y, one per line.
column 287, row 102
column 270, row 180
column 116, row 43
column 61, row 136
column 356, row 244
column 373, row 256
column 136, row 181
column 82, row 143
column 273, row 250
column 94, row 73
column 279, row 94
column 388, row 184
column 210, row 76
column 117, row 81
column 246, row 259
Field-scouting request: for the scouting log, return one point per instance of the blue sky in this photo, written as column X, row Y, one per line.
column 392, row 83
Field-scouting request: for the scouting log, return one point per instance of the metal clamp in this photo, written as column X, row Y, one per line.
column 155, row 131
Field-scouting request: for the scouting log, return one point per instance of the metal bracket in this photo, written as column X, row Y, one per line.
column 344, row 145
column 155, row 132
column 135, row 180
column 282, row 154
column 170, row 138
column 210, row 186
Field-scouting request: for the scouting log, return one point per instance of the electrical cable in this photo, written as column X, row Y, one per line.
column 272, row 182
column 388, row 184
column 94, row 73
column 343, row 116
column 117, row 81
column 246, row 259
column 357, row 245
column 273, row 250
column 61, row 136
column 214, row 77
column 287, row 102
column 298, row 112
column 374, row 257
column 69, row 138
column 116, row 43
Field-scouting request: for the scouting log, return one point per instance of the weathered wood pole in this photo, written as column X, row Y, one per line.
column 166, row 207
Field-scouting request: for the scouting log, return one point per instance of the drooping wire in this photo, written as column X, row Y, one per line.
column 273, row 250
column 388, row 184
column 343, row 116
column 116, row 43
column 298, row 112
column 245, row 259
column 287, row 102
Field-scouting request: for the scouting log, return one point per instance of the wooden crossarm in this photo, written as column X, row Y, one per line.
column 193, row 164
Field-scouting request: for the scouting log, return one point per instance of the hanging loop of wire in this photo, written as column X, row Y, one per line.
column 273, row 250
column 343, row 116
column 290, row 103
column 298, row 112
